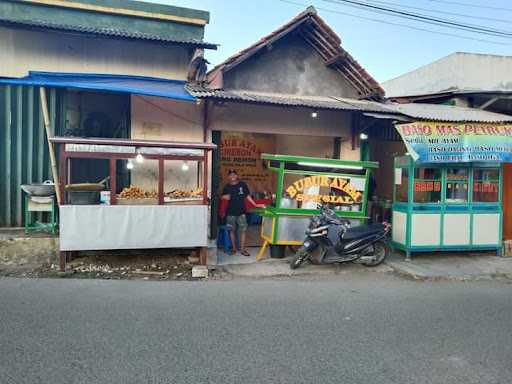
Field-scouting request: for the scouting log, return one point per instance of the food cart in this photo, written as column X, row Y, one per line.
column 447, row 206
column 305, row 182
column 130, row 218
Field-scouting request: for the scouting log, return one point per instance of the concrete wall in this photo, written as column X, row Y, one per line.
column 464, row 71
column 291, row 66
column 23, row 51
column 164, row 119
column 298, row 145
column 310, row 134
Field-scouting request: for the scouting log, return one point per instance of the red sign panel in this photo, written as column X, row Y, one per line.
column 427, row 186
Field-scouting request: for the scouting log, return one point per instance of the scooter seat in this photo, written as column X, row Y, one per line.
column 362, row 230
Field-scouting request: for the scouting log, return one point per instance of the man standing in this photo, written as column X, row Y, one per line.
column 235, row 192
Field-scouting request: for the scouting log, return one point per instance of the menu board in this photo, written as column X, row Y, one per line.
column 242, row 152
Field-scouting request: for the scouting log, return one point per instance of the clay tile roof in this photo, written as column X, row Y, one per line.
column 323, row 39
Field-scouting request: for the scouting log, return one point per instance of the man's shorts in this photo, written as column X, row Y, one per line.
column 236, row 222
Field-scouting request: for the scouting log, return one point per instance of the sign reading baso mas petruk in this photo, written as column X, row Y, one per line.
column 298, row 190
column 438, row 142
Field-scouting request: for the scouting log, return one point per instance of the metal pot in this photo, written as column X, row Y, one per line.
column 42, row 190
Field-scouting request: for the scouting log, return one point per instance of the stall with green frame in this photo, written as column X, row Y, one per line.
column 446, row 207
column 303, row 183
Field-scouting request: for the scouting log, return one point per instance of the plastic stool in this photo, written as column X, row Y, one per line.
column 255, row 219
column 223, row 239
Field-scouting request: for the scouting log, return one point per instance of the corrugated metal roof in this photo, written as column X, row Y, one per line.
column 457, row 72
column 320, row 102
column 413, row 111
column 109, row 32
column 439, row 112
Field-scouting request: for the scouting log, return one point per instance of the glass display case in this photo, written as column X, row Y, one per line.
column 453, row 206
column 161, row 193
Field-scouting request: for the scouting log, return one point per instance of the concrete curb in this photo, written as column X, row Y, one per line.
column 411, row 271
column 279, row 268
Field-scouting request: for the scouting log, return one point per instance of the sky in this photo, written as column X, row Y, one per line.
column 384, row 50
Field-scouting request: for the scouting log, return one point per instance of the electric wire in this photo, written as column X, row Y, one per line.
column 472, row 5
column 423, row 18
column 430, row 10
column 399, row 24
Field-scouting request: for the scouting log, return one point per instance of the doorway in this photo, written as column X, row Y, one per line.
column 242, row 151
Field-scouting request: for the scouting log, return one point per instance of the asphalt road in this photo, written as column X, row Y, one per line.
column 368, row 328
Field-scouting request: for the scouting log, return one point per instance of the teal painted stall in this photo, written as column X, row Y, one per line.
column 447, row 207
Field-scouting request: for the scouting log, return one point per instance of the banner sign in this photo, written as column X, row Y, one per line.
column 242, row 152
column 438, row 142
column 348, row 193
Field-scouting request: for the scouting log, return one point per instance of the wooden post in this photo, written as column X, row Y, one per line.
column 47, row 126
column 62, row 260
column 507, row 202
column 161, row 175
column 205, row 178
column 203, row 256
column 113, row 182
column 63, row 170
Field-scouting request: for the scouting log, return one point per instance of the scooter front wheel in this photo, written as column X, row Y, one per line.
column 380, row 252
column 299, row 257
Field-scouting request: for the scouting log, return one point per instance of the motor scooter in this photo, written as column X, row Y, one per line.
column 339, row 242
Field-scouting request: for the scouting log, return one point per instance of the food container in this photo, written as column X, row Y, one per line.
column 142, row 201
column 105, row 197
column 84, row 197
column 184, row 201
column 85, row 187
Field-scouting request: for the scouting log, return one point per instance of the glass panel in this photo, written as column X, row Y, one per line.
column 485, row 185
column 342, row 193
column 456, row 185
column 427, row 185
column 402, row 185
column 143, row 188
column 427, row 174
column 182, row 182
column 457, row 174
column 456, row 192
column 486, row 174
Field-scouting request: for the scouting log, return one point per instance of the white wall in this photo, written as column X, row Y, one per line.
column 463, row 71
column 22, row 51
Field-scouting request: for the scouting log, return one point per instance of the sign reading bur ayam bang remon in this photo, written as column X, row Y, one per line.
column 437, row 142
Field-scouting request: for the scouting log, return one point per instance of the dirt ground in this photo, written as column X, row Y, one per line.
column 165, row 264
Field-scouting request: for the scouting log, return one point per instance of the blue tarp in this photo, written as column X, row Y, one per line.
column 149, row 86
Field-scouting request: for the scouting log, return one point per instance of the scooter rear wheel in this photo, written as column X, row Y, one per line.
column 380, row 252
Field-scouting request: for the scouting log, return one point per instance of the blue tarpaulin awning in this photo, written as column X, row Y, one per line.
column 149, row 86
